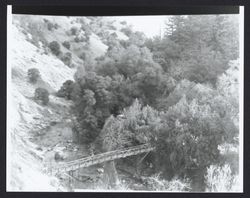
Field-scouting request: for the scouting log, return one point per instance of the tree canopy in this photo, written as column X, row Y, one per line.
column 179, row 92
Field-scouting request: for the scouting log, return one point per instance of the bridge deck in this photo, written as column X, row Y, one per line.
column 100, row 158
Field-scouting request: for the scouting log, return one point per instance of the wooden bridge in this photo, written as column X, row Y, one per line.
column 99, row 158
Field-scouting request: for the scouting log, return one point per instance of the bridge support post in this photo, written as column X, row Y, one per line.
column 110, row 176
column 71, row 179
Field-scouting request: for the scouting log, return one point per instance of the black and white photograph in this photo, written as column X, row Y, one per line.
column 142, row 103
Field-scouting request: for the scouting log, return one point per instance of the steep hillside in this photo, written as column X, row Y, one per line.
column 36, row 131
column 27, row 116
column 85, row 34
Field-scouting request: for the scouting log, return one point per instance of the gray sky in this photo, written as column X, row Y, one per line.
column 150, row 25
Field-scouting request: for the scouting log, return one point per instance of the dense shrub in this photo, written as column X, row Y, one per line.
column 86, row 29
column 66, row 90
column 66, row 44
column 55, row 47
column 124, row 43
column 50, row 26
column 135, row 126
column 190, row 134
column 33, row 75
column 83, row 56
column 100, row 58
column 45, row 20
column 123, row 22
column 77, row 39
column 56, row 26
column 67, row 58
column 74, row 31
column 129, row 74
column 42, row 95
column 114, row 35
column 81, row 38
column 127, row 31
column 137, row 38
column 100, row 34
column 111, row 27
column 92, row 100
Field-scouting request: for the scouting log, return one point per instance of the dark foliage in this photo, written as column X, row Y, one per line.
column 123, row 22
column 197, row 48
column 86, row 29
column 127, row 31
column 50, row 26
column 83, row 56
column 67, row 58
column 66, row 44
column 74, row 31
column 33, row 75
column 66, row 90
column 183, row 102
column 55, row 48
column 42, row 95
